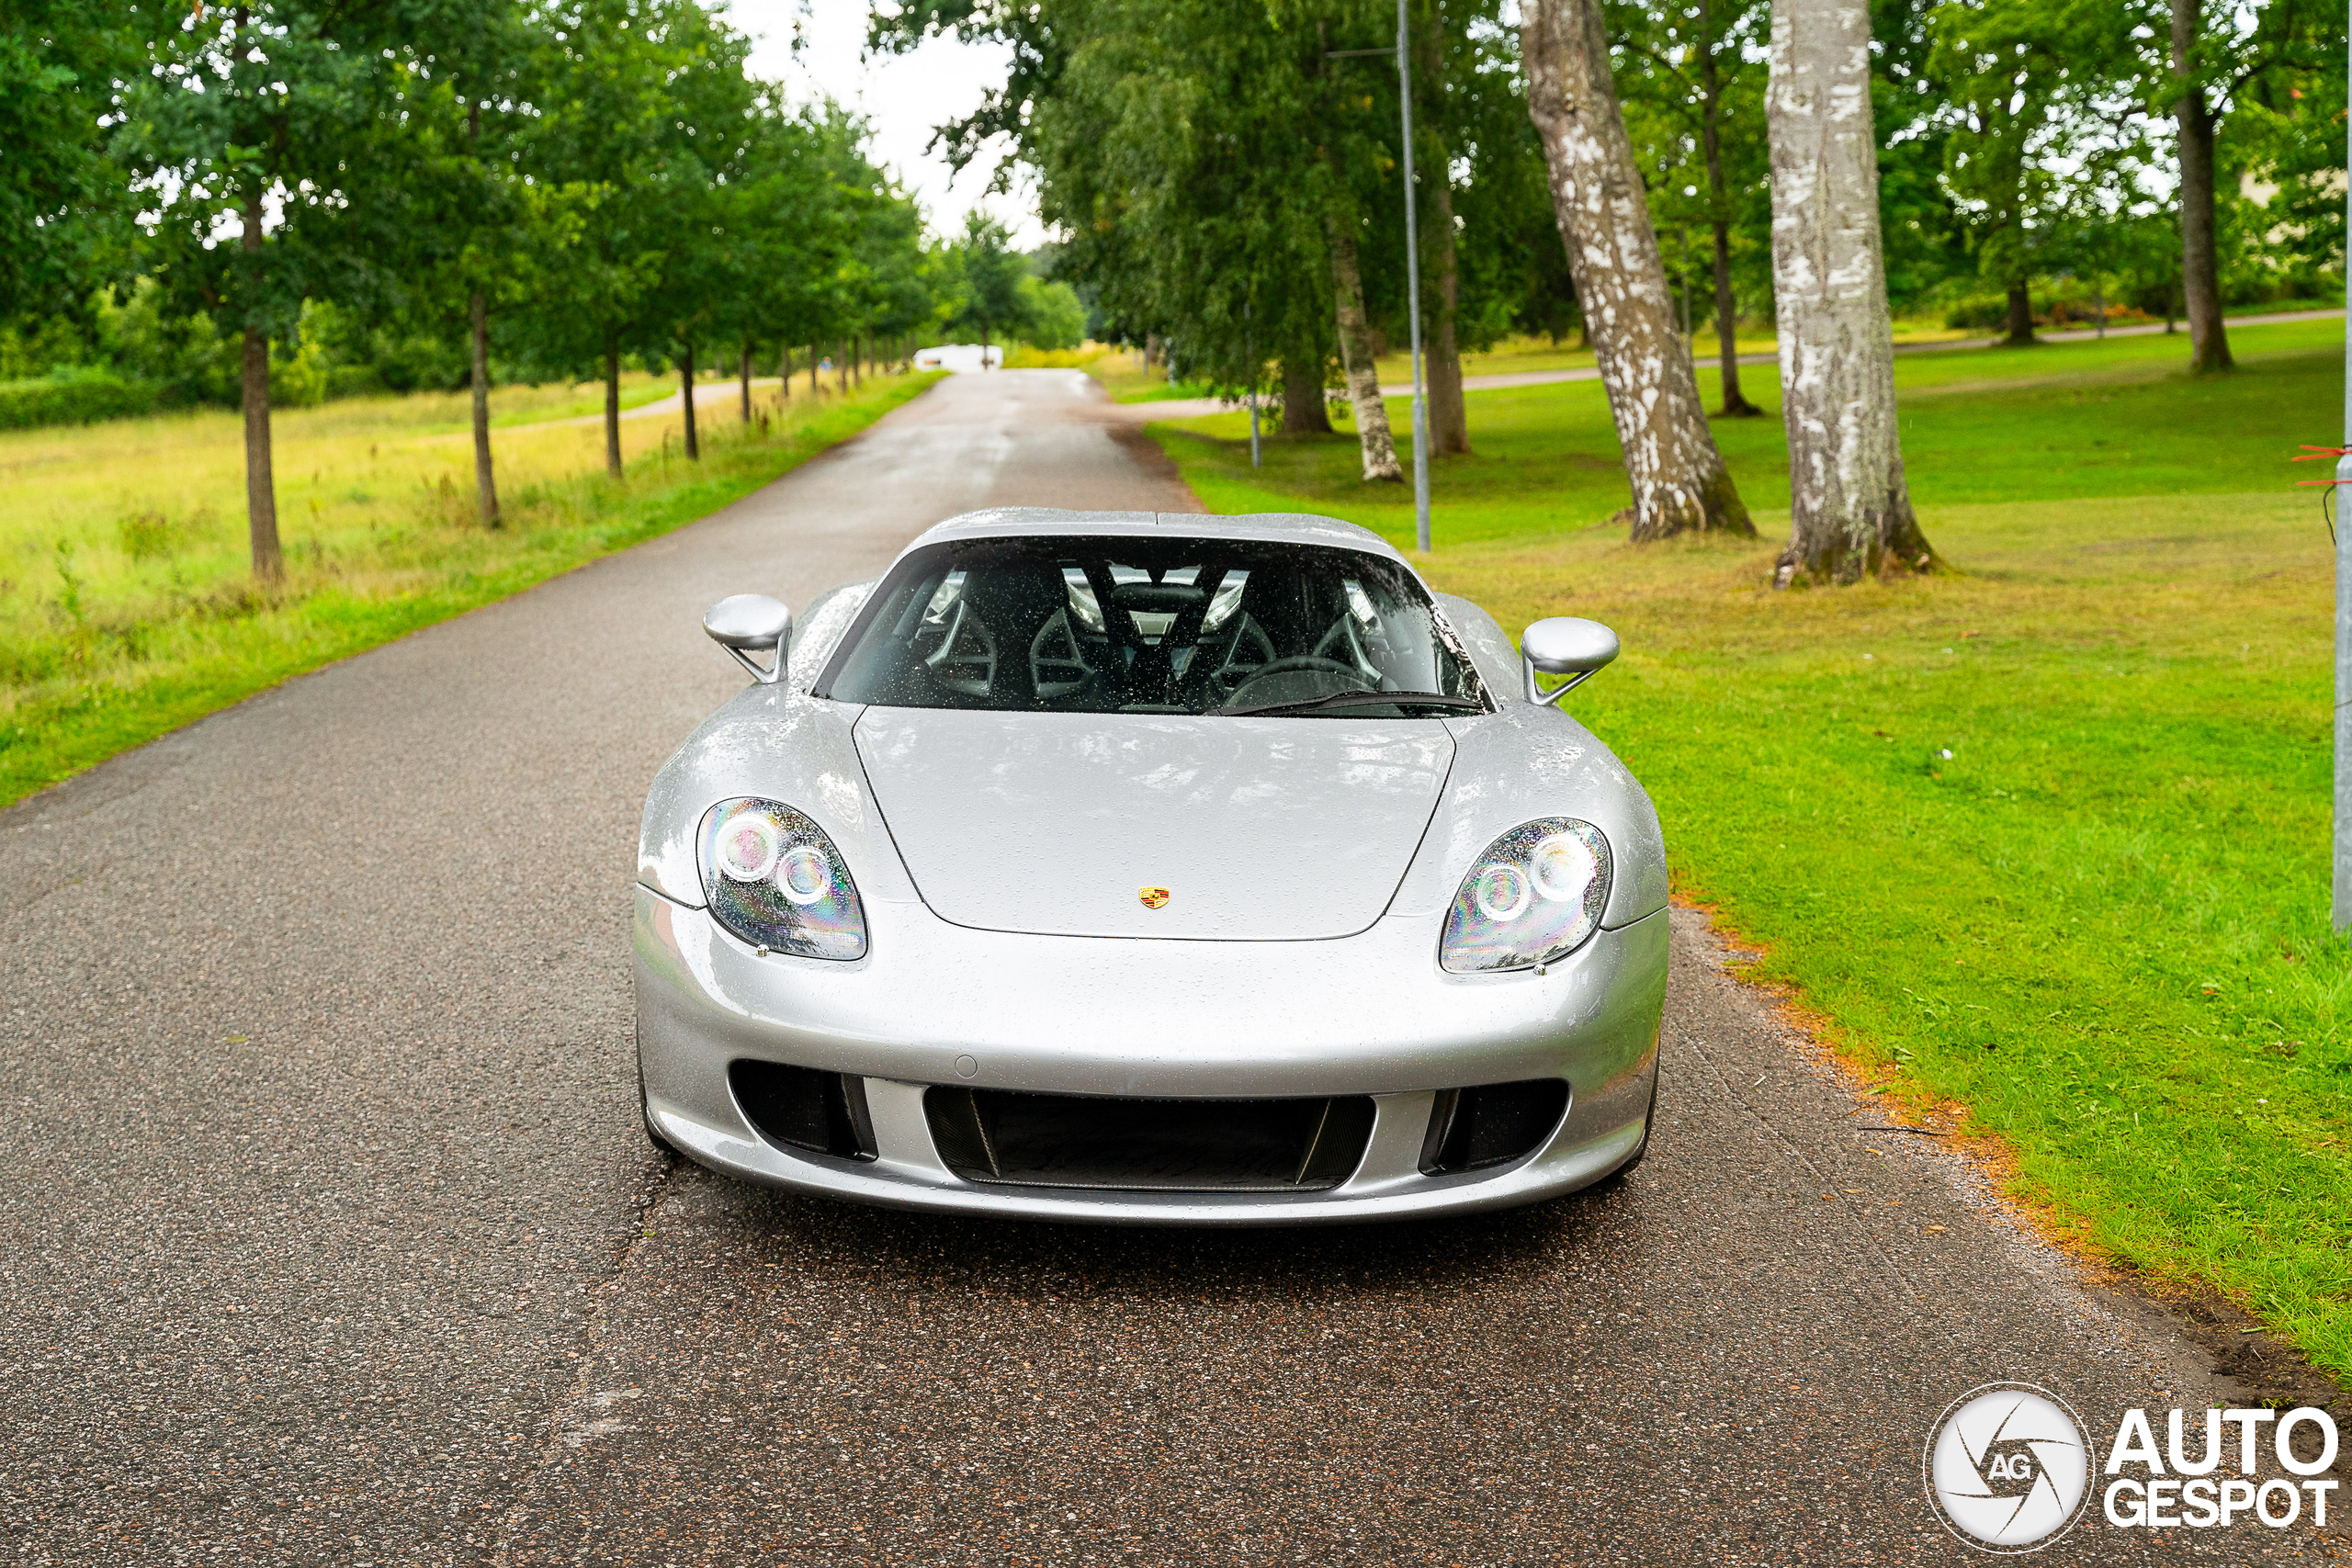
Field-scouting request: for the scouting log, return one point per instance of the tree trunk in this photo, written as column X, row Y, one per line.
column 743, row 370
column 1711, row 142
column 1849, row 508
column 261, row 486
column 1303, row 410
column 2021, row 313
column 485, row 482
column 686, row 372
column 857, row 359
column 612, row 408
column 1736, row 403
column 840, row 369
column 783, row 374
column 2200, row 267
column 1355, row 357
column 1449, row 415
column 1677, row 476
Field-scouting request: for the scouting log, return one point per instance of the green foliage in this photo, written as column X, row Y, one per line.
column 996, row 297
column 1056, row 320
column 63, row 202
column 1691, row 78
column 73, row 397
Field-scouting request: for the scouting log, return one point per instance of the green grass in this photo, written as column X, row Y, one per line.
column 2046, row 837
column 2048, row 423
column 125, row 608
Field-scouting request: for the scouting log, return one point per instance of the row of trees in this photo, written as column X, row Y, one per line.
column 582, row 183
column 1228, row 174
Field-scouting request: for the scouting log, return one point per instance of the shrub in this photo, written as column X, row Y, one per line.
column 73, row 397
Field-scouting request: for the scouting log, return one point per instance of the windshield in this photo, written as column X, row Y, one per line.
column 1150, row 625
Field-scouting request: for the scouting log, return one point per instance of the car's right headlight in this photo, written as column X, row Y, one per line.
column 775, row 879
column 1534, row 895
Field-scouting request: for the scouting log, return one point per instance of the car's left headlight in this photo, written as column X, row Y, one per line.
column 1535, row 894
column 775, row 879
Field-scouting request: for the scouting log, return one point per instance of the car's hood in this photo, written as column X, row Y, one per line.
column 1259, row 828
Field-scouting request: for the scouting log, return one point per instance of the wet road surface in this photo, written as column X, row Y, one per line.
column 328, row 1234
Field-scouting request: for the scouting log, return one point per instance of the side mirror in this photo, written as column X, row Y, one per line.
column 1564, row 644
column 747, row 623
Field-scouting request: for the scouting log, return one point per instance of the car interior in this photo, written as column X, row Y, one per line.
column 1145, row 625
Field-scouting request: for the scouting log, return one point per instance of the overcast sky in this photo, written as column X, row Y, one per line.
column 903, row 96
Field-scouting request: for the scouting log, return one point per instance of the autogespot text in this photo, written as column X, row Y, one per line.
column 2223, row 1480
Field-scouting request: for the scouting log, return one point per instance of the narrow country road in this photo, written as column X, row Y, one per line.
column 328, row 1234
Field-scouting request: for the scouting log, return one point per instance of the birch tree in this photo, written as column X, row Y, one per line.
column 1677, row 475
column 1849, row 508
column 1373, row 437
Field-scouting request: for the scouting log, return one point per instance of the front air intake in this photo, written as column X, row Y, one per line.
column 1471, row 1129
column 1149, row 1145
column 804, row 1109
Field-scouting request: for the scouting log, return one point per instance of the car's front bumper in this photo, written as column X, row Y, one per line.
column 934, row 1003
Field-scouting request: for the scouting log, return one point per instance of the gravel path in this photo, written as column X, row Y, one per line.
column 331, row 1237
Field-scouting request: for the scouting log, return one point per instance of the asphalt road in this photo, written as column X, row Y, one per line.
column 330, row 1236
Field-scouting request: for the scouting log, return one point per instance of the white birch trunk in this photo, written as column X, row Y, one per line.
column 1677, row 472
column 1355, row 357
column 1849, row 509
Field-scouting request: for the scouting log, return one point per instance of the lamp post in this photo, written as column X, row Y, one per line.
column 1249, row 349
column 1412, row 277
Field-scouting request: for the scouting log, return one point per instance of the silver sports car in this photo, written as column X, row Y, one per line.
column 1142, row 868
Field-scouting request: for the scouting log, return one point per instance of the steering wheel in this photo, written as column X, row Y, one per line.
column 1299, row 664
column 1233, row 671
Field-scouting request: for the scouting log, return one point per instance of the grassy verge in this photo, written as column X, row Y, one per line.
column 126, row 610
column 2046, row 839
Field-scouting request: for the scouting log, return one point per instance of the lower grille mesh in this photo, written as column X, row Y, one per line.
column 1173, row 1145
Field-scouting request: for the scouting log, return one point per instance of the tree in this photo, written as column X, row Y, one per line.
column 268, row 106
column 2033, row 158
column 2195, row 113
column 691, row 193
column 608, row 147
column 1690, row 77
column 1211, row 175
column 1679, row 479
column 62, row 207
column 2216, row 57
column 462, row 88
column 990, row 274
column 1849, row 508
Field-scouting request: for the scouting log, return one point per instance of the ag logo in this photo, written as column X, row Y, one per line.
column 1153, row 897
column 2008, row 1467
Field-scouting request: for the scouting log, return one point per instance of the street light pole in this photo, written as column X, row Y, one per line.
column 1413, row 293
column 1250, row 348
column 1412, row 275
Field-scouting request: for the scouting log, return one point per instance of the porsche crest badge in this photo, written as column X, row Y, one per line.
column 1153, row 897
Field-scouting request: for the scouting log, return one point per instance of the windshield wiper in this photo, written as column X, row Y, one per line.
column 1355, row 700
